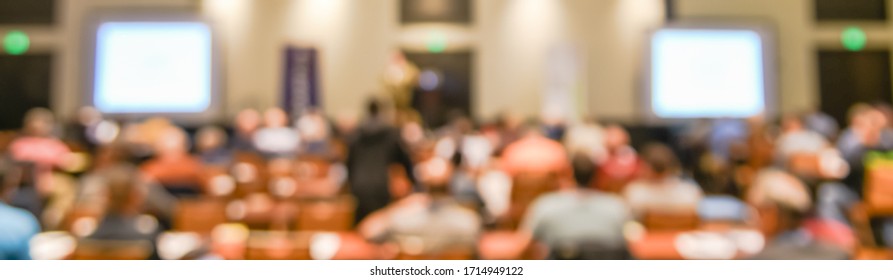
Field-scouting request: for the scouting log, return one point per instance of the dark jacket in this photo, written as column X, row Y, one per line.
column 373, row 148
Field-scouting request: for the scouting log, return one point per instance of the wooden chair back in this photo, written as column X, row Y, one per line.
column 88, row 249
column 326, row 214
column 199, row 215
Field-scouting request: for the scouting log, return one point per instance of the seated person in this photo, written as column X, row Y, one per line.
column 173, row 167
column 867, row 132
column 141, row 138
column 93, row 190
column 579, row 223
column 472, row 157
column 35, row 154
column 125, row 202
column 724, row 134
column 796, row 139
column 429, row 223
column 210, row 142
column 315, row 134
column 800, row 237
column 586, row 138
column 822, row 123
column 83, row 130
column 246, row 124
column 620, row 164
column 494, row 188
column 724, row 209
column 17, row 227
column 535, row 154
column 276, row 139
column 807, row 154
column 661, row 188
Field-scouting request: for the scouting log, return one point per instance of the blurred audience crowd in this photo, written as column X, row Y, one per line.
column 314, row 186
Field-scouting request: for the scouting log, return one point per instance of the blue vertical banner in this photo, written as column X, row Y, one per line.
column 301, row 89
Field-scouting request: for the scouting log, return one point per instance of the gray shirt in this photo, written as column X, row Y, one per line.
column 580, row 216
column 436, row 226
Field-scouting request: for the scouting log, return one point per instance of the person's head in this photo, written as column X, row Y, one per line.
column 209, row 138
column 313, row 126
column 345, row 122
column 615, row 137
column 397, row 57
column 660, row 161
column 460, row 122
column 412, row 133
column 757, row 122
column 88, row 115
column 886, row 110
column 39, row 122
column 435, row 174
column 878, row 120
column 511, row 120
column 373, row 107
column 783, row 192
column 584, row 169
column 275, row 117
column 172, row 141
column 126, row 188
column 822, row 123
column 247, row 121
column 791, row 123
column 863, row 116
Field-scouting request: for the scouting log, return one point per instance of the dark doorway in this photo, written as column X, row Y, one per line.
column 837, row 10
column 27, row 12
column 24, row 84
column 847, row 78
column 444, row 85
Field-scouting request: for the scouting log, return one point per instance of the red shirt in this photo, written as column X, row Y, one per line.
column 42, row 151
column 618, row 170
column 179, row 172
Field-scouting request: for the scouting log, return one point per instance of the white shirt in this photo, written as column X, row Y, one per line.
column 670, row 195
column 282, row 140
column 800, row 142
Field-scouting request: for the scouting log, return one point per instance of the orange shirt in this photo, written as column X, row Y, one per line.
column 175, row 171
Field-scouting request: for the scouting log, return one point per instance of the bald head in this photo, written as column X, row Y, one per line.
column 172, row 141
column 615, row 137
column 247, row 121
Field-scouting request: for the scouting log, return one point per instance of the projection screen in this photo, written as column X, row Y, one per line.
column 709, row 72
column 154, row 65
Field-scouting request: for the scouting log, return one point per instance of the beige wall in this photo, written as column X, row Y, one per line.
column 510, row 38
column 515, row 36
column 354, row 39
column 616, row 33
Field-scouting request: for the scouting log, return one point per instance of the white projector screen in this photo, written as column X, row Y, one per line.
column 153, row 67
column 707, row 73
